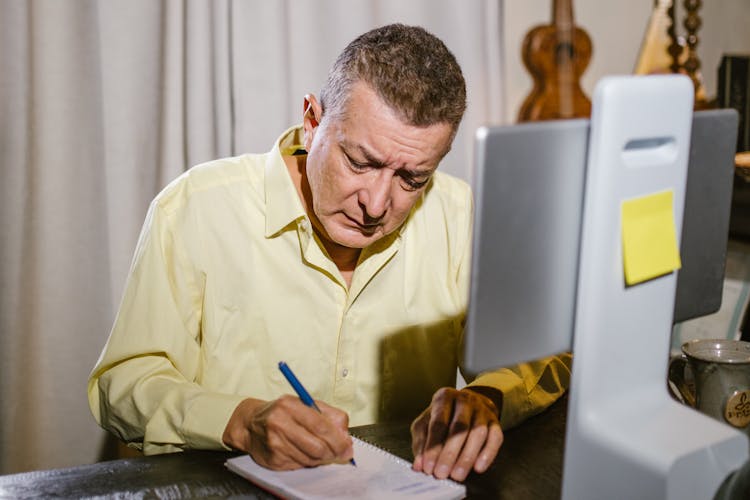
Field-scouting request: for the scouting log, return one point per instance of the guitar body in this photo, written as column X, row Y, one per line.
column 556, row 56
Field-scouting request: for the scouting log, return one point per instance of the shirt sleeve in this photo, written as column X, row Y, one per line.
column 144, row 388
column 528, row 388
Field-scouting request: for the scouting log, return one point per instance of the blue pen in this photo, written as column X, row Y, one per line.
column 301, row 391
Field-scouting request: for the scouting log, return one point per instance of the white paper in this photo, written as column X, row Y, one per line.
column 378, row 474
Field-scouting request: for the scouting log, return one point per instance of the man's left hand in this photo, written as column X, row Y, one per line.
column 458, row 432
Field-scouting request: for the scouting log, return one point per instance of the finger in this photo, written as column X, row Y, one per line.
column 300, row 427
column 339, row 418
column 491, row 448
column 470, row 450
column 454, row 443
column 321, row 442
column 342, row 445
column 286, row 452
column 332, row 442
column 275, row 441
column 418, row 464
column 437, row 431
column 418, row 437
column 419, row 432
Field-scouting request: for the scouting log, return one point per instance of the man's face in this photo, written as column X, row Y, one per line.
column 366, row 169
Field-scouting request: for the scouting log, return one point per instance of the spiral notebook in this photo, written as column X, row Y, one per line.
column 378, row 474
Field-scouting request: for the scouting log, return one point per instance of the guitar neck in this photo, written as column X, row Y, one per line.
column 562, row 15
column 654, row 54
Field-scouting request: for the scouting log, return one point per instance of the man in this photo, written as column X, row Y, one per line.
column 343, row 252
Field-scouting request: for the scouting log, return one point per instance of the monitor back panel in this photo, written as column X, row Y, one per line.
column 705, row 224
column 528, row 192
column 528, row 188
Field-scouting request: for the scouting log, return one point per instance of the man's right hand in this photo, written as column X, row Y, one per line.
column 284, row 434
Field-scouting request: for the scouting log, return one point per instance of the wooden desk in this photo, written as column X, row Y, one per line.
column 529, row 466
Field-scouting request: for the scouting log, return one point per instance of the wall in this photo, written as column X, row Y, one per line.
column 616, row 30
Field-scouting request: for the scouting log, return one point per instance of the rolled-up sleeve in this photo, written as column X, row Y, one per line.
column 528, row 388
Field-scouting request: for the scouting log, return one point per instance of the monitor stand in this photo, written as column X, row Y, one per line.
column 626, row 437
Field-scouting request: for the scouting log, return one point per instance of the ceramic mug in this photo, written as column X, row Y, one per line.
column 713, row 376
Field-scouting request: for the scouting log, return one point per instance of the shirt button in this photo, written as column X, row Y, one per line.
column 344, row 372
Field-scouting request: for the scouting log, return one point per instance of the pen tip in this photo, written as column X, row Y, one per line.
column 353, row 462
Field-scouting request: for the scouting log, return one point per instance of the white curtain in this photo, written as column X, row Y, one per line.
column 104, row 102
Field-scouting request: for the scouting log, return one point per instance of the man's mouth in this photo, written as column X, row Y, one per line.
column 365, row 227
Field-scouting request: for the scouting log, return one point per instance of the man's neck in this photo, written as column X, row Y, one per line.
column 345, row 259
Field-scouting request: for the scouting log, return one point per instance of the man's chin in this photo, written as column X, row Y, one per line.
column 357, row 242
column 354, row 238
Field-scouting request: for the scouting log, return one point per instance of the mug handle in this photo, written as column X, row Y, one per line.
column 676, row 381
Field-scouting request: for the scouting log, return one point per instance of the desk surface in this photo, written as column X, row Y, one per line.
column 529, row 466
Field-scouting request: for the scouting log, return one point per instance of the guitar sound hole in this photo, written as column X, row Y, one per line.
column 564, row 52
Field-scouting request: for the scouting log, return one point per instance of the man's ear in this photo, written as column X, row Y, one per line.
column 311, row 113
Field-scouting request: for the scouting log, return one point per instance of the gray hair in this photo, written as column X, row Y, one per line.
column 409, row 68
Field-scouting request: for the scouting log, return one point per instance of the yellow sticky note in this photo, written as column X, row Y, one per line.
column 649, row 238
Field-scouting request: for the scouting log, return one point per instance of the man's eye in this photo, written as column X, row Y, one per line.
column 355, row 165
column 411, row 184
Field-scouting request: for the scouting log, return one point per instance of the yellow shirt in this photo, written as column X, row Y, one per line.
column 228, row 279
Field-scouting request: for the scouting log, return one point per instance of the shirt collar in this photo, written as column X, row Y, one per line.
column 283, row 205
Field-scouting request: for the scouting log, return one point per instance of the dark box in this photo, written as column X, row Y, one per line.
column 733, row 91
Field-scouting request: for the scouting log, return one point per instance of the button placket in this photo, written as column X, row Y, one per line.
column 344, row 384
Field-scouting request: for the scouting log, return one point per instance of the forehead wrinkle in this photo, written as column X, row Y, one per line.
column 411, row 143
column 370, row 157
column 373, row 160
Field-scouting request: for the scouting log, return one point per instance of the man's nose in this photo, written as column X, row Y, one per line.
column 377, row 195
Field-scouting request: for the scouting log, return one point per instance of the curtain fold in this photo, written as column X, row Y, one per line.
column 102, row 103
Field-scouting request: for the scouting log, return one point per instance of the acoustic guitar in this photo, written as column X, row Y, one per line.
column 556, row 55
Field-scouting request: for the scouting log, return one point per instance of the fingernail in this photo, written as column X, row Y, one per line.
column 459, row 473
column 442, row 471
column 428, row 467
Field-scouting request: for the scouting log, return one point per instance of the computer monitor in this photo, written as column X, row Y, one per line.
column 708, row 198
column 528, row 188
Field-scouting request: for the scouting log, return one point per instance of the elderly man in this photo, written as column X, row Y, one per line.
column 343, row 252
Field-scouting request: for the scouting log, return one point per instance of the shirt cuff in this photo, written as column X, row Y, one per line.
column 516, row 405
column 206, row 418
